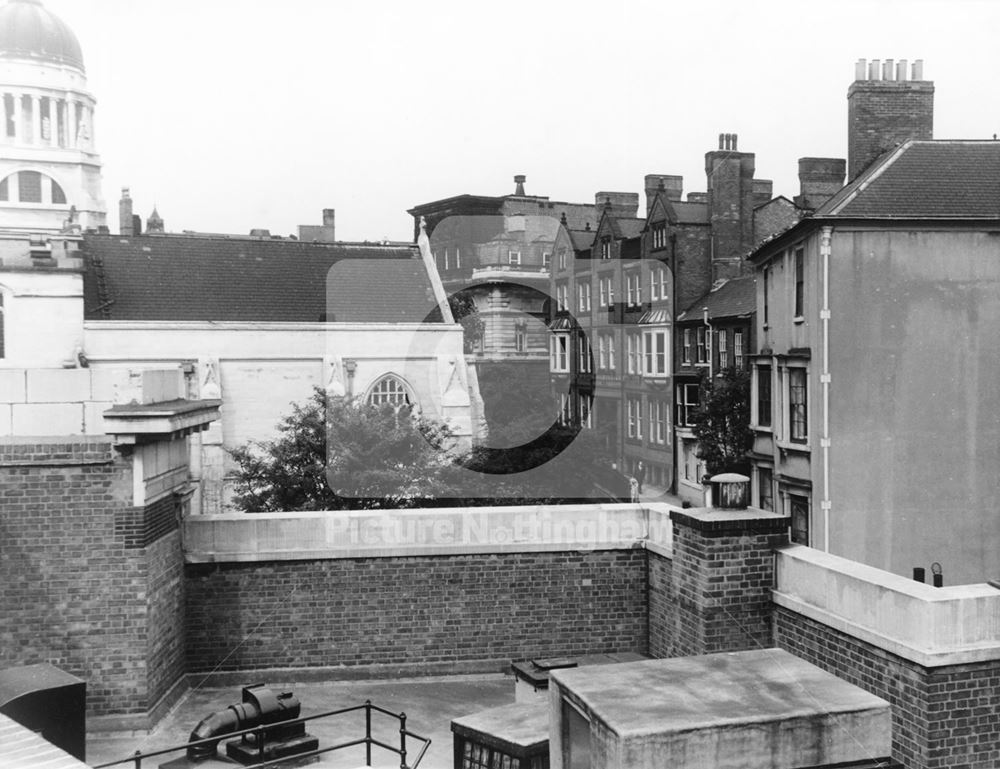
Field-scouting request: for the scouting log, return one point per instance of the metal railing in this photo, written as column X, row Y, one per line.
column 259, row 731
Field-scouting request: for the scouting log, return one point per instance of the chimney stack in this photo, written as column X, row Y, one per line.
column 320, row 233
column 624, row 205
column 731, row 200
column 519, row 181
column 671, row 187
column 885, row 108
column 125, row 220
column 819, row 180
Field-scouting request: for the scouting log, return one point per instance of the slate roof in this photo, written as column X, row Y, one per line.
column 582, row 239
column 199, row 278
column 732, row 299
column 925, row 179
column 631, row 228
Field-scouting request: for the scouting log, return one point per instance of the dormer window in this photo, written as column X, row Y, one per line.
column 605, row 248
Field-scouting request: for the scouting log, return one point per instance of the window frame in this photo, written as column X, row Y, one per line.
column 798, row 411
column 656, row 350
column 763, row 396
column 559, row 346
column 799, row 263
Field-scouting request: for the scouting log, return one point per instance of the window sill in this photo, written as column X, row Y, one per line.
column 799, row 320
column 763, row 429
column 801, row 448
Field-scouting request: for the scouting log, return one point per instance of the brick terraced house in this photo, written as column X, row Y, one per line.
column 614, row 354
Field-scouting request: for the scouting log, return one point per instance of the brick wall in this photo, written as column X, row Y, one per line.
column 723, row 572
column 662, row 600
column 79, row 585
column 483, row 610
column 167, row 663
column 942, row 718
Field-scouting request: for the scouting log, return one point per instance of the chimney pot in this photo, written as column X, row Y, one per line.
column 901, row 69
column 918, row 70
column 722, row 138
column 859, row 69
column 519, row 181
column 329, row 217
column 735, row 137
column 887, row 71
column 873, row 69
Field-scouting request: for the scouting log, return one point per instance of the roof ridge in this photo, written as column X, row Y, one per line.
column 875, row 173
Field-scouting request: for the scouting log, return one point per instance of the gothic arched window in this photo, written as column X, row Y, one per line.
column 389, row 389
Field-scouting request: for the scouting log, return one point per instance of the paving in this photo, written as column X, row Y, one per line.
column 430, row 705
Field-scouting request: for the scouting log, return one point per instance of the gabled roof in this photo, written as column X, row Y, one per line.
column 194, row 278
column 631, row 228
column 956, row 181
column 733, row 299
column 925, row 179
column 582, row 240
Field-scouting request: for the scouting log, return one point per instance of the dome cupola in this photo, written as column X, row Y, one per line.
column 29, row 31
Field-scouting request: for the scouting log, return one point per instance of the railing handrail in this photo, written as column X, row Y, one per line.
column 137, row 758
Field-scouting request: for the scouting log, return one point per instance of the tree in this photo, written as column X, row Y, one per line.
column 464, row 310
column 721, row 422
column 339, row 454
column 336, row 453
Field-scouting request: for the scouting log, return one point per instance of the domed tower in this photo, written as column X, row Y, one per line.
column 48, row 160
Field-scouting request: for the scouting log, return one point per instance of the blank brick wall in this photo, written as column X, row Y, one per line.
column 942, row 718
column 415, row 610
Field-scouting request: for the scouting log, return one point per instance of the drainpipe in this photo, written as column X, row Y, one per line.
column 708, row 340
column 825, row 240
column 673, row 346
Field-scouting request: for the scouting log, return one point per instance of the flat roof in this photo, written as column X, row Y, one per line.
column 710, row 691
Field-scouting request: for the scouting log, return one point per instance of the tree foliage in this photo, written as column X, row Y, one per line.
column 464, row 310
column 339, row 454
column 335, row 454
column 721, row 422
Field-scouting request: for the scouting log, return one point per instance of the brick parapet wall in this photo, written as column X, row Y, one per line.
column 479, row 610
column 943, row 717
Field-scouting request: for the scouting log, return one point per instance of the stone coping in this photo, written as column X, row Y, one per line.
column 927, row 625
column 242, row 537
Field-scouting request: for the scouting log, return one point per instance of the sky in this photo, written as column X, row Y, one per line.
column 237, row 114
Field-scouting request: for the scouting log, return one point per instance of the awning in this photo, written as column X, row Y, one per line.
column 654, row 318
column 562, row 323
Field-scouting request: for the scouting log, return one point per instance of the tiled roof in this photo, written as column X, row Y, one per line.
column 733, row 298
column 193, row 278
column 631, row 228
column 582, row 239
column 925, row 179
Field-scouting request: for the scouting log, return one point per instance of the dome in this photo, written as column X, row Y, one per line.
column 29, row 31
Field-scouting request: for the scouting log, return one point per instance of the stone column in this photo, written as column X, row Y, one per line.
column 53, row 122
column 71, row 124
column 18, row 118
column 723, row 573
column 36, row 119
